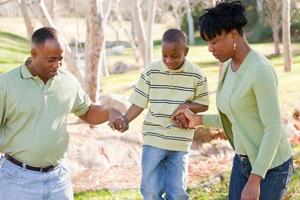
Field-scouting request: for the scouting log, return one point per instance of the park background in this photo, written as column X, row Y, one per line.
column 109, row 42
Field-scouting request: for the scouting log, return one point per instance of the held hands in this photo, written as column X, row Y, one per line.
column 117, row 121
column 185, row 118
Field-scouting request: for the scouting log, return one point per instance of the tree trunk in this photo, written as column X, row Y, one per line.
column 105, row 8
column 137, row 21
column 190, row 22
column 53, row 9
column 149, row 25
column 286, row 35
column 93, row 48
column 274, row 14
column 24, row 10
column 42, row 13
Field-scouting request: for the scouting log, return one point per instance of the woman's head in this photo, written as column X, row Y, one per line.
column 222, row 26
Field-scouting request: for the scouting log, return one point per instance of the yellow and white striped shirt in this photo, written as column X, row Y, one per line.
column 164, row 90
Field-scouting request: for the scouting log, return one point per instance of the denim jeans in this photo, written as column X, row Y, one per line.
column 164, row 174
column 17, row 183
column 272, row 187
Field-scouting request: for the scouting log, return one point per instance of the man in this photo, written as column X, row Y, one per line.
column 35, row 101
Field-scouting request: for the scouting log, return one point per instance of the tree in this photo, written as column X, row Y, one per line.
column 94, row 45
column 274, row 8
column 286, row 35
column 150, row 21
column 190, row 22
column 53, row 9
column 142, row 30
column 24, row 10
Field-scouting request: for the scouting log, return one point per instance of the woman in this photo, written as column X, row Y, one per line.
column 247, row 101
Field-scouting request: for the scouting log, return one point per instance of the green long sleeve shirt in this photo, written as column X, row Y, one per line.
column 254, row 110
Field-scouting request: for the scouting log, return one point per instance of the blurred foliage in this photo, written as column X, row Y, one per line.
column 258, row 28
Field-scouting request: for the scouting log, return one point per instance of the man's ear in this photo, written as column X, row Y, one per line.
column 33, row 52
column 186, row 51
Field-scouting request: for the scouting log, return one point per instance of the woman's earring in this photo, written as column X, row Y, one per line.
column 234, row 46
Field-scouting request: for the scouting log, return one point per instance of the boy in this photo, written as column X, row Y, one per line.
column 167, row 85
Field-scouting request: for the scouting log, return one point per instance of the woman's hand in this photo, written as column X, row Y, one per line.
column 192, row 119
column 251, row 190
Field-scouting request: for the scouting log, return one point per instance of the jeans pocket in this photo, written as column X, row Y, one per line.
column 11, row 174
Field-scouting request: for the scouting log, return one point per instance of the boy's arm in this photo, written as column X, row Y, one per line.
column 194, row 107
column 122, row 123
column 133, row 112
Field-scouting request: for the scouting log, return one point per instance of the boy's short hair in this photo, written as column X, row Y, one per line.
column 174, row 35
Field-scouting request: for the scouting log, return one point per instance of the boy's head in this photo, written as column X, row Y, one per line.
column 174, row 48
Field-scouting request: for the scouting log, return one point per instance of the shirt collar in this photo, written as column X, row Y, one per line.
column 25, row 73
column 183, row 68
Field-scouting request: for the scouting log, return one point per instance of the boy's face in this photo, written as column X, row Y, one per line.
column 173, row 54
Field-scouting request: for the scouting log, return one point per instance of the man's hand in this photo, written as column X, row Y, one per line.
column 192, row 119
column 251, row 190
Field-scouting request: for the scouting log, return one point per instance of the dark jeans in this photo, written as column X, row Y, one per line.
column 272, row 187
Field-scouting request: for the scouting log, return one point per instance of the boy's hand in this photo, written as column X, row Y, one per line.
column 180, row 121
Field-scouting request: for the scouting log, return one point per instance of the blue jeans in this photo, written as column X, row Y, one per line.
column 164, row 174
column 17, row 183
column 272, row 187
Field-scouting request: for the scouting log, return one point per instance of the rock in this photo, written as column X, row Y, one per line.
column 121, row 67
column 117, row 50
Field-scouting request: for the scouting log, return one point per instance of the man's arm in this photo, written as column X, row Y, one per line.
column 97, row 114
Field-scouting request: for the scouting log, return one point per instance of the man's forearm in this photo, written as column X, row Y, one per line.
column 96, row 114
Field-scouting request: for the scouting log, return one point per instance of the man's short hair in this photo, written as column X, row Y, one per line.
column 41, row 35
column 174, row 35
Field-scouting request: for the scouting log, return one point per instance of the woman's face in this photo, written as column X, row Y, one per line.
column 221, row 46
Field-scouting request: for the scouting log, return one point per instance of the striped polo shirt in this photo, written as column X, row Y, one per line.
column 164, row 90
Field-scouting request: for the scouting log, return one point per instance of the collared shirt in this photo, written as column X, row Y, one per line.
column 164, row 90
column 33, row 115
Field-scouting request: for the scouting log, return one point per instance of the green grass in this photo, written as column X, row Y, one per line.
column 13, row 50
column 108, row 195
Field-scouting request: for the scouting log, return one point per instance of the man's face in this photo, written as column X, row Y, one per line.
column 173, row 54
column 47, row 58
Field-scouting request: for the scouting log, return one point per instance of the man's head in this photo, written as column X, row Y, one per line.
column 46, row 53
column 174, row 48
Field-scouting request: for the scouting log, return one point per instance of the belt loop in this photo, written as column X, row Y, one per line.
column 24, row 165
